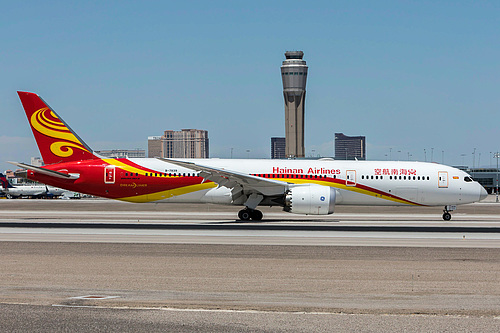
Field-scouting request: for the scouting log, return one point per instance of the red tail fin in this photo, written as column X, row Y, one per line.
column 55, row 139
column 4, row 182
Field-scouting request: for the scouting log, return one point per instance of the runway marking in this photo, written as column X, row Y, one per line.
column 97, row 297
column 338, row 313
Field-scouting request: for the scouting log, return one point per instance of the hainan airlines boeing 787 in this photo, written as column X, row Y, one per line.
column 311, row 187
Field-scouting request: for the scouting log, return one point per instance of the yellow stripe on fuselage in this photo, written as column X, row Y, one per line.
column 198, row 187
column 162, row 195
column 124, row 166
column 348, row 188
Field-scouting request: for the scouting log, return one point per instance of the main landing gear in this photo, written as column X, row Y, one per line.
column 247, row 214
column 446, row 212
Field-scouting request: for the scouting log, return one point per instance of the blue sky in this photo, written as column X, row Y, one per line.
column 409, row 75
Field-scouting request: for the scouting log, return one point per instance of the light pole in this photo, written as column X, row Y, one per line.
column 497, row 155
column 432, row 155
column 425, row 155
column 474, row 159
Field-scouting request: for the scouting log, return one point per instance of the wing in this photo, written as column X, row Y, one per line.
column 38, row 192
column 234, row 179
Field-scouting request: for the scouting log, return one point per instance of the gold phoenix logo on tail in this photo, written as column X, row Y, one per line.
column 47, row 123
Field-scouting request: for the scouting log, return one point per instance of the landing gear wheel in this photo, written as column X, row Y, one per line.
column 446, row 216
column 257, row 215
column 244, row 215
column 247, row 214
column 447, row 210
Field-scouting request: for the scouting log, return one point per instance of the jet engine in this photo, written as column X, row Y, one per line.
column 310, row 199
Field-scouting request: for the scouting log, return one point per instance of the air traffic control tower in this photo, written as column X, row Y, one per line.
column 294, row 75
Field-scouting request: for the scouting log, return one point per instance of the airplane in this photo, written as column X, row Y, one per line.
column 36, row 191
column 309, row 187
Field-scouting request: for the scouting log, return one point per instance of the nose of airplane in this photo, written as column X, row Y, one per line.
column 482, row 194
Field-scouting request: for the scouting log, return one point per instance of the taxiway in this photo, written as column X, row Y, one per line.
column 194, row 267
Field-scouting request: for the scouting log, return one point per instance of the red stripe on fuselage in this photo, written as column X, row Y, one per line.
column 91, row 179
column 341, row 182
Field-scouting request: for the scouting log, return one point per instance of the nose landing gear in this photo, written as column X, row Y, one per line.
column 446, row 212
column 247, row 214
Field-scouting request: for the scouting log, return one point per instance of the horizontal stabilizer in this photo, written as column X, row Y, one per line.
column 43, row 171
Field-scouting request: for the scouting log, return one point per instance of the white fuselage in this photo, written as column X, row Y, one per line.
column 32, row 191
column 356, row 182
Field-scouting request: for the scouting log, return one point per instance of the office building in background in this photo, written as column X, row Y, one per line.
column 278, row 148
column 350, row 147
column 154, row 146
column 122, row 153
column 186, row 143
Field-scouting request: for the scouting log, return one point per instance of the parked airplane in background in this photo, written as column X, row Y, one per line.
column 36, row 191
column 298, row 186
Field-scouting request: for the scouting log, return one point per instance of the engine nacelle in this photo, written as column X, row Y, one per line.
column 310, row 199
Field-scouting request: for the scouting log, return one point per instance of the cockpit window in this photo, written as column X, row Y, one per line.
column 467, row 179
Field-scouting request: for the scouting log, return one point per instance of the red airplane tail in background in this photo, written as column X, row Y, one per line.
column 55, row 139
column 4, row 182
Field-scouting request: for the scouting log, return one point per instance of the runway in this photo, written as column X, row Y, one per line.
column 474, row 226
column 195, row 268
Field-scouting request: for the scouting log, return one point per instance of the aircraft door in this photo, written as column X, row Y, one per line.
column 350, row 178
column 442, row 179
column 109, row 174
